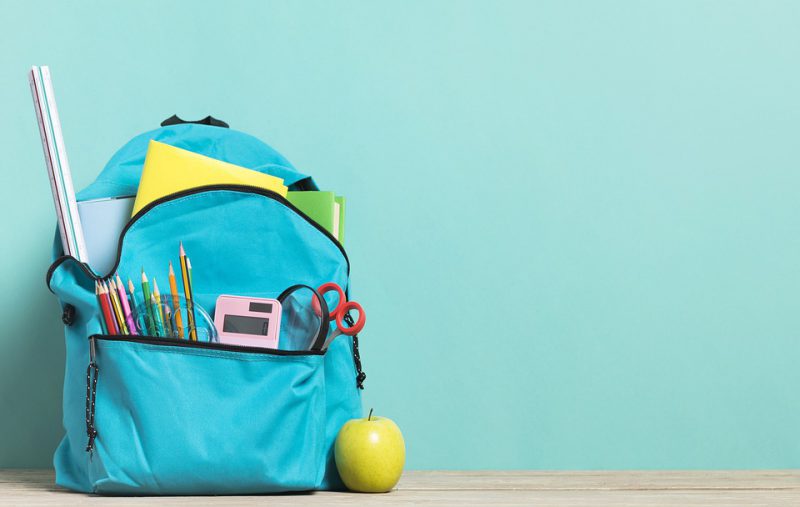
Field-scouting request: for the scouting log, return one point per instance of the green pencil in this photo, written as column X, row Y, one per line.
column 187, row 289
column 148, row 306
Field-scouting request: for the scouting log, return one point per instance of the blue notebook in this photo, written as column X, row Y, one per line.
column 103, row 221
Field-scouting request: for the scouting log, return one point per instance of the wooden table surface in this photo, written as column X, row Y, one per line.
column 595, row 489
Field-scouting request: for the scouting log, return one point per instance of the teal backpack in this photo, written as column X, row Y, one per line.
column 168, row 417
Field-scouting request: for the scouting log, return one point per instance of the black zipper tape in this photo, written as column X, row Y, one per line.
column 246, row 189
column 61, row 260
column 167, row 342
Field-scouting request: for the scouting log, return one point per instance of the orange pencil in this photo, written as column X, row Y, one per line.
column 176, row 302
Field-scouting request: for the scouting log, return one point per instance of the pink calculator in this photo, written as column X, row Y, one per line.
column 252, row 322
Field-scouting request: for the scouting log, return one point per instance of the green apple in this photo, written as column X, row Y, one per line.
column 370, row 454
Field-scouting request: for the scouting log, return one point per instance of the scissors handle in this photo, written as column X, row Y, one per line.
column 357, row 325
column 334, row 310
column 340, row 309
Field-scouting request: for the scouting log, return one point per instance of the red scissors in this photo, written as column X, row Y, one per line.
column 340, row 309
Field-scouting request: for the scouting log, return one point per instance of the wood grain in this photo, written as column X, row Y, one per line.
column 457, row 488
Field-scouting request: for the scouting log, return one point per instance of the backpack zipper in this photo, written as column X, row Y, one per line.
column 248, row 189
column 154, row 340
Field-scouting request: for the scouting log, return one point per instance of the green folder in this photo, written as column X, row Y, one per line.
column 340, row 200
column 322, row 207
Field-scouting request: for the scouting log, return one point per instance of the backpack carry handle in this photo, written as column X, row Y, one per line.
column 208, row 120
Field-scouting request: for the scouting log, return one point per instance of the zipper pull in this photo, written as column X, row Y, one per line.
column 360, row 375
column 91, row 349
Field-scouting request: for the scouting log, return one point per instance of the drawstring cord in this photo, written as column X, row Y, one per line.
column 92, row 372
column 360, row 376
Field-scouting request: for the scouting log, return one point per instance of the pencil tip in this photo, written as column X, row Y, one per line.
column 183, row 253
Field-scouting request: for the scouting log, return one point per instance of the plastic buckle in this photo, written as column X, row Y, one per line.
column 68, row 317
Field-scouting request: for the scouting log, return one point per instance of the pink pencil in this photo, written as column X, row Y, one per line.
column 126, row 308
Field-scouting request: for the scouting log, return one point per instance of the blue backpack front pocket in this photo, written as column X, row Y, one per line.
column 179, row 417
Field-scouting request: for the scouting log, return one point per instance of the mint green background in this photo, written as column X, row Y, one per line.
column 574, row 225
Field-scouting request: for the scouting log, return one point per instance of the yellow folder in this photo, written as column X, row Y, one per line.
column 168, row 169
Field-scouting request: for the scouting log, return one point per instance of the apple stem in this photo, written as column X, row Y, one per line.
column 369, row 417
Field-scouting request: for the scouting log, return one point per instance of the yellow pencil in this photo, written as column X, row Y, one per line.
column 120, row 316
column 187, row 289
column 124, row 327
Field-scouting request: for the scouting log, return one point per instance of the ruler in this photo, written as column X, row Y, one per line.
column 55, row 156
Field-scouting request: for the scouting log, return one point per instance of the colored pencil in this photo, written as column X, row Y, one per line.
column 114, row 322
column 117, row 306
column 150, row 320
column 126, row 307
column 134, row 311
column 159, row 304
column 102, row 312
column 105, row 305
column 111, row 323
column 176, row 302
column 159, row 324
column 187, row 289
column 122, row 317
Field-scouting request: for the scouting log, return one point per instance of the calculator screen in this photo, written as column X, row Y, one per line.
column 241, row 324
